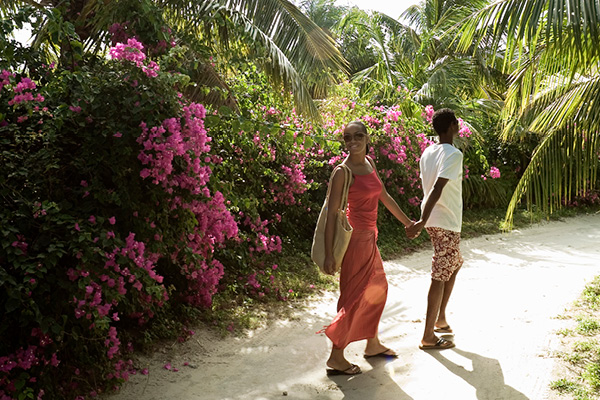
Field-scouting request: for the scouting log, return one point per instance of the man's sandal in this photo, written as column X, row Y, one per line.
column 441, row 344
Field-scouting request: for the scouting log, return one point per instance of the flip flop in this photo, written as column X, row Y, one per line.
column 441, row 344
column 352, row 370
column 445, row 329
column 382, row 354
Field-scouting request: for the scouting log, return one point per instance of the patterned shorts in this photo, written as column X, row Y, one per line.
column 446, row 253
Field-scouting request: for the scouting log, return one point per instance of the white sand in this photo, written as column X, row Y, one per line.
column 503, row 310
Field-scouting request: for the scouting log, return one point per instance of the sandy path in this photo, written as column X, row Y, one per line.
column 503, row 311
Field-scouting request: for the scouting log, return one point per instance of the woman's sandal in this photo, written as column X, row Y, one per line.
column 383, row 354
column 352, row 370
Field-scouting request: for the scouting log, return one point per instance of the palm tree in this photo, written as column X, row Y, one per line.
column 275, row 34
column 553, row 47
column 365, row 40
column 420, row 56
column 326, row 14
column 438, row 74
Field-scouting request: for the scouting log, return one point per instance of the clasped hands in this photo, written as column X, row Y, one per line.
column 414, row 229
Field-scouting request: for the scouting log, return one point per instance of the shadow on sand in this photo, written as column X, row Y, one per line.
column 486, row 377
column 378, row 383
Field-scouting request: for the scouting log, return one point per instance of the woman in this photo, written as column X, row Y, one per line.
column 363, row 285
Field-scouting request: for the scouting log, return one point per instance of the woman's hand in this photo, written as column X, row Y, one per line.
column 329, row 265
column 414, row 230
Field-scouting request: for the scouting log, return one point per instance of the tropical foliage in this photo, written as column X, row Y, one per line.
column 157, row 169
column 552, row 50
column 284, row 42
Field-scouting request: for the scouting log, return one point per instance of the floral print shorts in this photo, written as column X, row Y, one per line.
column 446, row 253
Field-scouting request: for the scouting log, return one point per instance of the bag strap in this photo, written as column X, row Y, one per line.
column 346, row 187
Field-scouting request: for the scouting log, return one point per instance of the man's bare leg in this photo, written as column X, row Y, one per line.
column 434, row 300
column 441, row 321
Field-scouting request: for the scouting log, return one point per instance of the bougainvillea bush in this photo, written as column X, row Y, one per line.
column 108, row 217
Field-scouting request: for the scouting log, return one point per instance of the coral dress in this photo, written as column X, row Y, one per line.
column 363, row 285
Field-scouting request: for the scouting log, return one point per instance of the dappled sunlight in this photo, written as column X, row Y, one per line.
column 502, row 315
column 400, row 271
column 486, row 256
column 253, row 350
column 374, row 294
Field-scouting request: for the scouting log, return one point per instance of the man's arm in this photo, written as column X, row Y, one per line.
column 433, row 198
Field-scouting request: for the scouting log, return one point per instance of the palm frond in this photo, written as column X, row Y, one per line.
column 520, row 25
column 563, row 165
column 295, row 45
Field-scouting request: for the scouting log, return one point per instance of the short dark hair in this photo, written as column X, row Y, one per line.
column 442, row 119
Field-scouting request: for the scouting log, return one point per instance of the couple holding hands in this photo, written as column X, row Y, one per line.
column 363, row 284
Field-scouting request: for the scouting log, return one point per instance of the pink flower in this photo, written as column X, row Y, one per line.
column 75, row 109
column 132, row 51
column 494, row 173
column 92, row 219
column 464, row 130
column 20, row 244
column 112, row 220
column 414, row 201
column 54, row 361
column 428, row 113
column 24, row 84
column 144, row 371
column 118, row 134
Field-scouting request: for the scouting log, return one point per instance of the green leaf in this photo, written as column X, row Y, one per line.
column 12, row 304
column 224, row 110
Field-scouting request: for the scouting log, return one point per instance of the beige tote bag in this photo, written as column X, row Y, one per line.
column 343, row 230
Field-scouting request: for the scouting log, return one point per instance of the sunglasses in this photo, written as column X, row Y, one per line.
column 357, row 136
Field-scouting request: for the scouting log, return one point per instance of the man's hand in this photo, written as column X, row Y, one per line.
column 415, row 229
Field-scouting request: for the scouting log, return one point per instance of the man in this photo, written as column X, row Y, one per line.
column 441, row 215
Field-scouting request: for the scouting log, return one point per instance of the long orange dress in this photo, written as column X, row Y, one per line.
column 363, row 285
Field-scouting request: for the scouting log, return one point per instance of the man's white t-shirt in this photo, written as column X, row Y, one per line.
column 443, row 161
